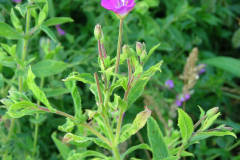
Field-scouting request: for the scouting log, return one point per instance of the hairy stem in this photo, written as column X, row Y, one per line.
column 118, row 49
column 180, row 150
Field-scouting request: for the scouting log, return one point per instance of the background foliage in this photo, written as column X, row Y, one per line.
column 179, row 26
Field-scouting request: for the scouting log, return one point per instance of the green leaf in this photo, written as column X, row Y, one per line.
column 54, row 92
column 203, row 135
column 151, row 71
column 183, row 153
column 209, row 121
column 48, row 68
column 228, row 64
column 78, row 139
column 236, row 38
column 37, row 92
column 151, row 51
column 71, row 85
column 140, row 146
column 23, row 108
column 172, row 158
column 185, row 124
column 158, row 145
column 49, row 33
column 62, row 148
column 9, row 32
column 67, row 127
column 138, row 69
column 77, row 156
column 16, row 22
column 136, row 91
column 119, row 103
column 115, row 85
column 43, row 14
column 17, row 96
column 84, row 77
column 22, row 8
column 138, row 123
column 57, row 20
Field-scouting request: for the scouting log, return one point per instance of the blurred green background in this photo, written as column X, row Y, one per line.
column 180, row 25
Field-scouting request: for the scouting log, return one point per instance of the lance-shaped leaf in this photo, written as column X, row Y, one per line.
column 57, row 20
column 140, row 146
column 183, row 153
column 17, row 96
column 62, row 148
column 23, row 108
column 84, row 77
column 48, row 68
column 138, row 123
column 151, row 51
column 185, row 124
column 36, row 91
column 119, row 103
column 49, row 32
column 22, row 8
column 203, row 135
column 77, row 156
column 71, row 85
column 78, row 139
column 136, row 90
column 158, row 145
column 9, row 32
column 151, row 71
column 67, row 127
column 209, row 121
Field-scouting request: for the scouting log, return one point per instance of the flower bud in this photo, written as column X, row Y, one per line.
column 98, row 32
column 7, row 102
column 143, row 56
column 212, row 112
column 126, row 51
column 139, row 48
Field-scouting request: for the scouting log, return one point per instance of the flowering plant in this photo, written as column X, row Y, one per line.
column 105, row 122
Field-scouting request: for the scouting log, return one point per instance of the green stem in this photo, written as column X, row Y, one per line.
column 118, row 49
column 37, row 125
column 114, row 147
column 180, row 150
column 195, row 126
column 20, row 78
column 97, row 134
column 119, row 126
column 75, row 119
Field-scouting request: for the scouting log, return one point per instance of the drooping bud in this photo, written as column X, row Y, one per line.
column 98, row 32
column 139, row 48
column 126, row 51
column 143, row 56
column 212, row 112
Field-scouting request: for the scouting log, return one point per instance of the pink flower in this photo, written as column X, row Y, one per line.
column 17, row 1
column 169, row 83
column 181, row 98
column 60, row 30
column 120, row 7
